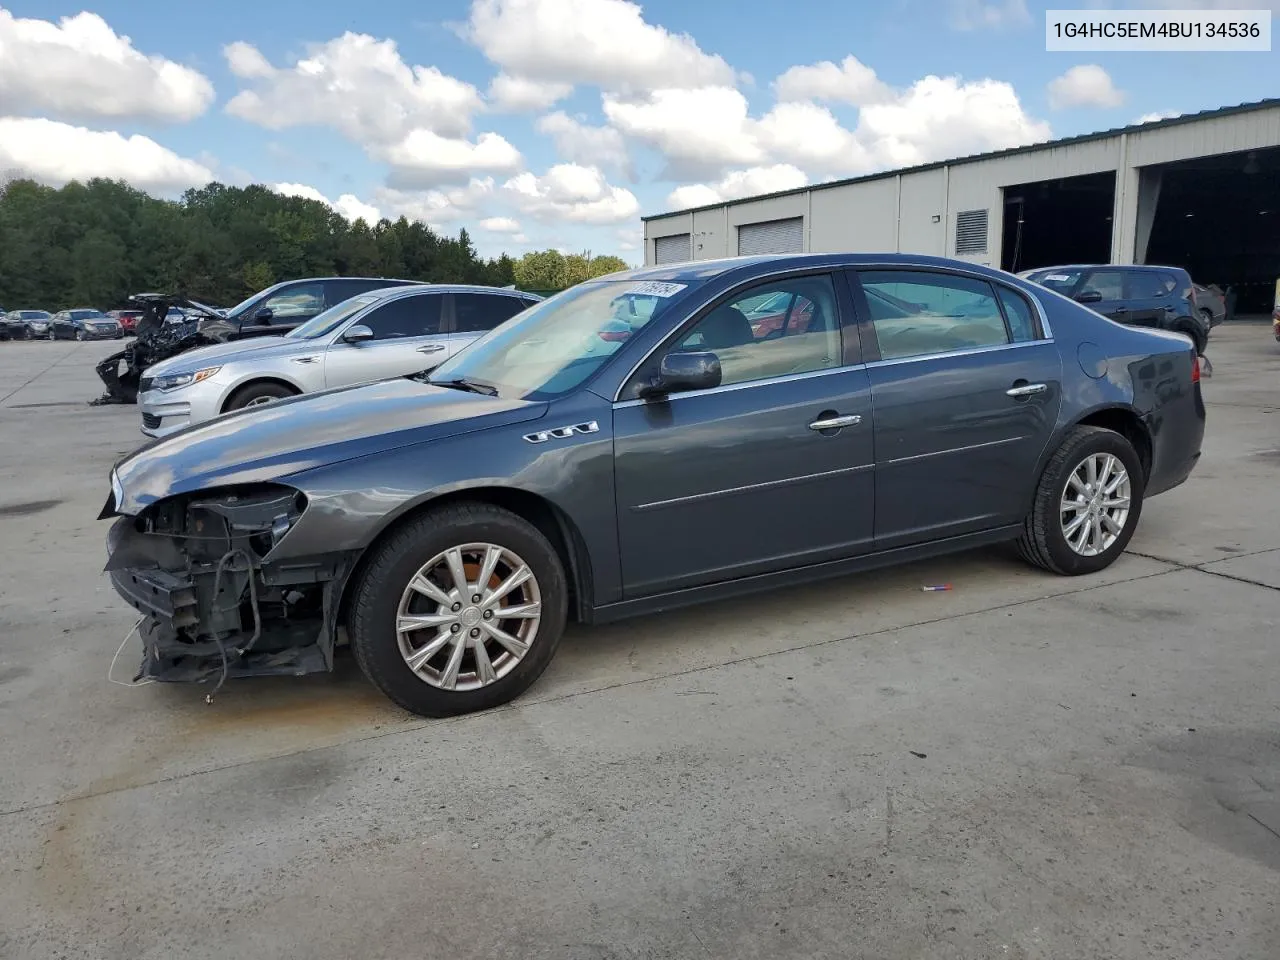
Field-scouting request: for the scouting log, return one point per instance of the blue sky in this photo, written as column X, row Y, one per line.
column 655, row 106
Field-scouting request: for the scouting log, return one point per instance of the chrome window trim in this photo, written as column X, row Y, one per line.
column 831, row 268
column 729, row 387
column 968, row 351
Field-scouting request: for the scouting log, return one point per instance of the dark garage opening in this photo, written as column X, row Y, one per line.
column 1052, row 222
column 1219, row 217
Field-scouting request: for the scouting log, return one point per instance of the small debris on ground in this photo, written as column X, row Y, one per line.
column 935, row 587
column 918, row 755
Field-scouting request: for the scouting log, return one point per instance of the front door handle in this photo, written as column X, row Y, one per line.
column 1026, row 389
column 835, row 423
column 432, row 348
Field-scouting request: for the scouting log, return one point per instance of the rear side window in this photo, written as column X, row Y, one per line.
column 479, row 312
column 917, row 313
column 1148, row 285
column 1022, row 321
column 338, row 290
column 416, row 316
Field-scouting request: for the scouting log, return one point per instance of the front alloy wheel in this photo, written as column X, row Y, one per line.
column 468, row 616
column 459, row 609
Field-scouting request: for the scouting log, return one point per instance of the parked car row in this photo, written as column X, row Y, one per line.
column 612, row 451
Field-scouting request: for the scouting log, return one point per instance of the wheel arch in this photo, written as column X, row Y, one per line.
column 1125, row 421
column 252, row 381
column 550, row 520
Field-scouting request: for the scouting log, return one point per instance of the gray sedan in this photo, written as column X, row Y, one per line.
column 762, row 421
column 83, row 323
column 384, row 333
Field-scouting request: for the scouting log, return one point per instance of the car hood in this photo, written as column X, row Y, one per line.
column 233, row 350
column 265, row 443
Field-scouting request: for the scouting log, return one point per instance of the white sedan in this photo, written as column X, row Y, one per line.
column 385, row 333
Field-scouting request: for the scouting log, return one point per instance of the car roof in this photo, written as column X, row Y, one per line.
column 1091, row 266
column 447, row 288
column 696, row 270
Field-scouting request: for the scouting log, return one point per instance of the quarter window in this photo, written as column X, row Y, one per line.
column 915, row 313
column 412, row 316
column 775, row 329
column 1022, row 322
column 478, row 312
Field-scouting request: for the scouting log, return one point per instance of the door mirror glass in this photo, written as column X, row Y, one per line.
column 684, row 371
column 1088, row 296
column 357, row 334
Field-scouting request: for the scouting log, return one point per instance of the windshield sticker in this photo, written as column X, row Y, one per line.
column 1059, row 277
column 654, row 288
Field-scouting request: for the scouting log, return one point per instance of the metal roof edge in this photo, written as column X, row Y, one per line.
column 991, row 155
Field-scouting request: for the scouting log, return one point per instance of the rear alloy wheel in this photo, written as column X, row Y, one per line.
column 258, row 394
column 459, row 610
column 1086, row 505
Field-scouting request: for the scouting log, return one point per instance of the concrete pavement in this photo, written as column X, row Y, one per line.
column 1025, row 766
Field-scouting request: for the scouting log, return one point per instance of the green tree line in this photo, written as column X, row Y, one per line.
column 95, row 243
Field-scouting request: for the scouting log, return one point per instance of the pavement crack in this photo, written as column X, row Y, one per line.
column 414, row 726
column 1204, row 567
column 70, row 353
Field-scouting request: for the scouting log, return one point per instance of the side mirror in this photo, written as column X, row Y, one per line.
column 679, row 372
column 264, row 315
column 357, row 334
column 1088, row 296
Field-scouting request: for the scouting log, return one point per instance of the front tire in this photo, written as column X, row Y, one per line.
column 80, row 335
column 461, row 609
column 1087, row 504
column 256, row 395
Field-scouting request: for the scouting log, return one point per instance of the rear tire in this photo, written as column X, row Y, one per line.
column 492, row 673
column 1198, row 337
column 1049, row 540
column 257, row 394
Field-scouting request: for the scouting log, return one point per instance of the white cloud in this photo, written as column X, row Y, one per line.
column 602, row 42
column 356, row 84
column 702, row 133
column 55, row 153
column 571, row 192
column 1085, row 85
column 520, row 238
column 500, row 225
column 630, row 238
column 1157, row 115
column 349, row 205
column 80, row 68
column 424, row 159
column 436, row 206
column 519, row 94
column 586, row 145
column 850, row 82
column 980, row 14
column 698, row 131
column 738, row 184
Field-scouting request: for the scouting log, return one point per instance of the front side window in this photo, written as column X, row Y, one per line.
column 775, row 329
column 916, row 313
column 325, row 323
column 478, row 312
column 413, row 316
column 304, row 300
column 551, row 348
column 1108, row 283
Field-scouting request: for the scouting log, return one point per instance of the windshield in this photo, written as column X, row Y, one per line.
column 1059, row 281
column 88, row 315
column 33, row 314
column 326, row 322
column 552, row 347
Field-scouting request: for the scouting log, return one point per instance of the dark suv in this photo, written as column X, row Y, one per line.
column 277, row 310
column 1140, row 296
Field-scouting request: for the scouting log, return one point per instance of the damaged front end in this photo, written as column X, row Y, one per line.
column 215, row 604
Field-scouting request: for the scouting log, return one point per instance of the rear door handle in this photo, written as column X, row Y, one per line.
column 835, row 423
column 432, row 348
column 1026, row 389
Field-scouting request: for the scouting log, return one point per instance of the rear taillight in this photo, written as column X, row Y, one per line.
column 1195, row 368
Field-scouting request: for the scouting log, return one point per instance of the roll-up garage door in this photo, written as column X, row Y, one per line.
column 671, row 249
column 776, row 236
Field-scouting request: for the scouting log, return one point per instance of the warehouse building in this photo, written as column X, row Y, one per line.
column 1201, row 191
